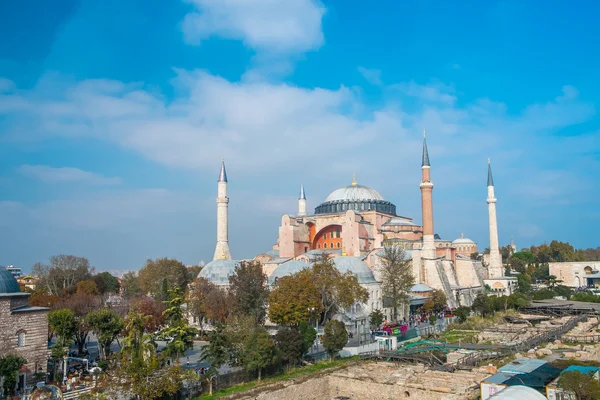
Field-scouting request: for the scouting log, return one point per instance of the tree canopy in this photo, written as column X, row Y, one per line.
column 160, row 272
column 64, row 271
column 248, row 290
column 335, row 337
column 295, row 299
column 397, row 277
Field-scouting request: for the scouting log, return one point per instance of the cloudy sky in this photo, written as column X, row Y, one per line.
column 114, row 117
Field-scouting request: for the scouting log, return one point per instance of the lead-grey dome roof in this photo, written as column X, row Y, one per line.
column 356, row 266
column 354, row 193
column 8, row 283
column 219, row 271
column 288, row 268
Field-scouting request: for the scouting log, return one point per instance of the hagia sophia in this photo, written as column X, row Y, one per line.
column 352, row 226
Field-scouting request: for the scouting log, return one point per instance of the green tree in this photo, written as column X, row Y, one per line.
column 249, row 291
column 259, row 352
column 440, row 302
column 291, row 345
column 397, row 277
column 216, row 353
column 154, row 272
column 295, row 299
column 335, row 337
column 524, row 283
column 181, row 334
column 62, row 322
column 131, row 285
column 9, row 370
column 525, row 255
column 106, row 325
column 107, row 283
column 482, row 305
column 376, row 318
column 462, row 313
column 582, row 386
column 309, row 334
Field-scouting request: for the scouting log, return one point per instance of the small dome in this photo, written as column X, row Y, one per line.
column 354, row 193
column 463, row 240
column 219, row 271
column 8, row 283
column 288, row 268
column 356, row 266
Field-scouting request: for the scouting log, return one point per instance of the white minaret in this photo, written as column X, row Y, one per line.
column 302, row 202
column 222, row 249
column 495, row 269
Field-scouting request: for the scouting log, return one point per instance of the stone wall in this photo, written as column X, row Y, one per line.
column 34, row 325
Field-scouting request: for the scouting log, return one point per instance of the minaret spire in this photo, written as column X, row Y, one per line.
column 495, row 269
column 302, row 202
column 425, row 160
column 222, row 248
column 427, row 204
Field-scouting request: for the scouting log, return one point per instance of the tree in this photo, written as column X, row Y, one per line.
column 309, row 334
column 64, row 271
column 335, row 337
column 518, row 265
column 525, row 255
column 462, row 313
column 181, row 334
column 376, row 317
column 338, row 291
column 9, row 370
column 397, row 277
column 200, row 291
column 87, row 287
column 81, row 304
column 107, row 283
column 131, row 285
column 217, row 305
column 482, row 305
column 216, row 353
column 440, row 302
column 523, row 283
column 582, row 386
column 154, row 272
column 41, row 298
column 249, row 291
column 259, row 351
column 62, row 322
column 106, row 325
column 193, row 271
column 151, row 309
column 295, row 299
column 291, row 345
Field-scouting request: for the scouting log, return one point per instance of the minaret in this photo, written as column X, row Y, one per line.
column 428, row 251
column 302, row 202
column 495, row 269
column 222, row 249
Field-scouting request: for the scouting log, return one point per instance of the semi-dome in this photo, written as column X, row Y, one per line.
column 355, row 197
column 219, row 271
column 8, row 283
column 463, row 240
column 356, row 266
column 288, row 268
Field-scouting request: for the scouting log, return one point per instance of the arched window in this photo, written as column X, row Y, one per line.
column 339, row 245
column 588, row 270
column 21, row 339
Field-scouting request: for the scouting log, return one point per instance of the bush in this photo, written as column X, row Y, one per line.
column 462, row 313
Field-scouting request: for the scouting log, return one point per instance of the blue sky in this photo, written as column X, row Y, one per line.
column 114, row 117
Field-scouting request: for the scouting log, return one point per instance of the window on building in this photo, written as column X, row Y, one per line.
column 325, row 235
column 21, row 339
column 339, row 245
column 319, row 246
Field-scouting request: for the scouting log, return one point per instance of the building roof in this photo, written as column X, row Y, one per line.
column 518, row 392
column 288, row 268
column 463, row 240
column 580, row 368
column 8, row 283
column 490, row 179
column 354, row 192
column 356, row 266
column 522, row 365
column 223, row 173
column 399, row 221
column 420, row 288
column 219, row 271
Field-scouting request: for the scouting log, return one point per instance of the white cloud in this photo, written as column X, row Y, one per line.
column 48, row 174
column 290, row 26
column 373, row 76
column 436, row 92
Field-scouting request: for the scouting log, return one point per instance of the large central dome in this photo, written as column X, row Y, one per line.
column 355, row 197
column 354, row 193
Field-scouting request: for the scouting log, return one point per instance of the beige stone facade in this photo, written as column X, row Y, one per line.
column 577, row 274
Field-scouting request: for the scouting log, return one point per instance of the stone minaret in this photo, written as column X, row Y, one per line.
column 302, row 202
column 426, row 186
column 222, row 249
column 495, row 269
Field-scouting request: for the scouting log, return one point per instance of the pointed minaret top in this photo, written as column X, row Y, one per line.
column 425, row 161
column 490, row 179
column 462, row 235
column 302, row 194
column 354, row 180
column 223, row 173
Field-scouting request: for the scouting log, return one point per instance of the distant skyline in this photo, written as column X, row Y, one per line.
column 114, row 118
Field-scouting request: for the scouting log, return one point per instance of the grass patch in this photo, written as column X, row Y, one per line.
column 478, row 323
column 459, row 335
column 294, row 373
